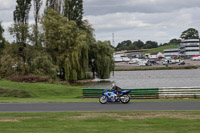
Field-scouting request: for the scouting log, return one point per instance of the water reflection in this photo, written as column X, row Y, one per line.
column 150, row 79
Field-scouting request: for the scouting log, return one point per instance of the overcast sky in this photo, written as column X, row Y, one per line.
column 156, row 20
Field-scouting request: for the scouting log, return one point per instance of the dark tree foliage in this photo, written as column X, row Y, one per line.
column 21, row 15
column 140, row 44
column 150, row 44
column 174, row 41
column 190, row 33
column 21, row 12
column 20, row 29
column 128, row 45
column 37, row 5
column 73, row 10
column 2, row 39
column 125, row 45
column 55, row 4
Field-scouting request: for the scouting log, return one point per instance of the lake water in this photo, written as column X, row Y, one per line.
column 151, row 79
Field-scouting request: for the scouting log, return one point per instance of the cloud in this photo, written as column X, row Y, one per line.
column 7, row 4
column 160, row 27
column 116, row 21
column 156, row 20
column 99, row 7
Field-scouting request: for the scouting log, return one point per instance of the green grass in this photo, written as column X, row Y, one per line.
column 160, row 49
column 57, row 93
column 7, row 92
column 43, row 92
column 98, row 122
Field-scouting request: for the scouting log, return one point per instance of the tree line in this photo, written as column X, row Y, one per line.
column 190, row 33
column 129, row 45
column 60, row 44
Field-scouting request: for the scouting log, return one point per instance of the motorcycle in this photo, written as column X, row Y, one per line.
column 110, row 96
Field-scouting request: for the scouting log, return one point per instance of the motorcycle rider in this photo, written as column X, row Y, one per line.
column 117, row 89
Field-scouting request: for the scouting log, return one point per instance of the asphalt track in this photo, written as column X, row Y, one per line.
column 66, row 107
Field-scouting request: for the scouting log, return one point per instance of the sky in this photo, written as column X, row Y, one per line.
column 155, row 20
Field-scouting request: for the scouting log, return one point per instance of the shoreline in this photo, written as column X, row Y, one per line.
column 146, row 68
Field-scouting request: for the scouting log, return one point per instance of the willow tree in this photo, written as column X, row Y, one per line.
column 103, row 59
column 66, row 44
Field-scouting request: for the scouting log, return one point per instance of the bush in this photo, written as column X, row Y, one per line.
column 42, row 65
column 29, row 79
column 6, row 92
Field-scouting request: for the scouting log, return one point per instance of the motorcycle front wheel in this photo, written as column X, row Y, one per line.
column 125, row 99
column 103, row 100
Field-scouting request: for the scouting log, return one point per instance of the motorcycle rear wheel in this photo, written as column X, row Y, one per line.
column 103, row 100
column 125, row 99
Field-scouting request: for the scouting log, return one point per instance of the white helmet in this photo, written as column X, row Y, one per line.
column 113, row 84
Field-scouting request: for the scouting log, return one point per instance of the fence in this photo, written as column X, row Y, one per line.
column 180, row 92
column 142, row 93
column 150, row 93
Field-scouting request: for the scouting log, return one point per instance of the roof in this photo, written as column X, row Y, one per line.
column 154, row 53
column 189, row 40
column 174, row 49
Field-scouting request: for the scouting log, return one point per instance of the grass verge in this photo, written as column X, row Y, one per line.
column 98, row 122
column 40, row 92
column 55, row 93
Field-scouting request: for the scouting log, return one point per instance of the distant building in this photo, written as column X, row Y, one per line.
column 120, row 57
column 187, row 49
column 127, row 55
column 135, row 53
column 154, row 55
column 171, row 52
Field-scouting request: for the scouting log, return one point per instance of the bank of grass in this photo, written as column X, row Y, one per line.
column 109, row 122
column 160, row 49
column 44, row 90
column 157, row 68
column 40, row 92
column 7, row 92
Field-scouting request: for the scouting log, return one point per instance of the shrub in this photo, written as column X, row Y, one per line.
column 29, row 79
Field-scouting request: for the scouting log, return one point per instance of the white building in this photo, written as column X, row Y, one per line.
column 189, row 48
column 171, row 52
column 154, row 55
column 120, row 57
